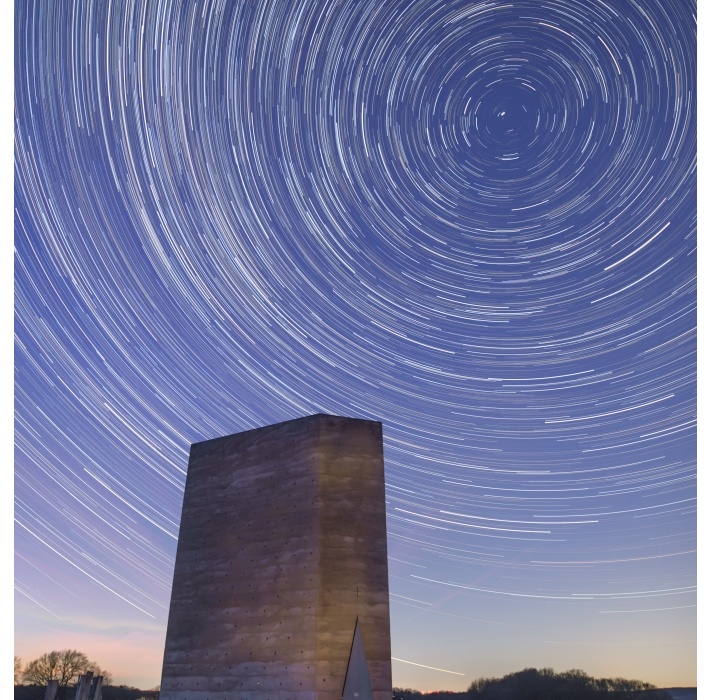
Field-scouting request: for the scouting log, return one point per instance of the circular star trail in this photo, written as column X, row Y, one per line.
column 472, row 221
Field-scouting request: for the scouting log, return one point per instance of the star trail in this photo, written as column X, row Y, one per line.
column 472, row 221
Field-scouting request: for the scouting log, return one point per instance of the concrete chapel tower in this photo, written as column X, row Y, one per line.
column 280, row 589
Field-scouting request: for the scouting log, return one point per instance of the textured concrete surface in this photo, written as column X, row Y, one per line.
column 282, row 547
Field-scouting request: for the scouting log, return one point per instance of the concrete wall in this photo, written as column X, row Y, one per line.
column 282, row 546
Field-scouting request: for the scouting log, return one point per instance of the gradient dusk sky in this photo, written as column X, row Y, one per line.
column 472, row 221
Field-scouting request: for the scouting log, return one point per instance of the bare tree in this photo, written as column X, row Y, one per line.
column 18, row 669
column 65, row 666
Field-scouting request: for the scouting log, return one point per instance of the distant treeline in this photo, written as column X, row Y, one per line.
column 108, row 692
column 529, row 684
column 544, row 684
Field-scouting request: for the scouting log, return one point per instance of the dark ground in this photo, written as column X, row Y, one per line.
column 682, row 693
column 122, row 692
column 108, row 692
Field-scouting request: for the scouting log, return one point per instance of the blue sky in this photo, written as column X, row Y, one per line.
column 474, row 222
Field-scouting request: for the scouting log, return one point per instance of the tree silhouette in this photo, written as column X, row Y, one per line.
column 64, row 666
column 545, row 684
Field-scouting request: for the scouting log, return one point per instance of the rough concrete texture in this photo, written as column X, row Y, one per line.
column 282, row 547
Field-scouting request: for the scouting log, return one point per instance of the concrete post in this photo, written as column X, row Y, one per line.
column 83, row 686
column 52, row 688
column 95, row 690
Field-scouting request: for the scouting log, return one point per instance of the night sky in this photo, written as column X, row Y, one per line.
column 472, row 221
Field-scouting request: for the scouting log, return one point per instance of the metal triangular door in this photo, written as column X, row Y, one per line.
column 357, row 683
